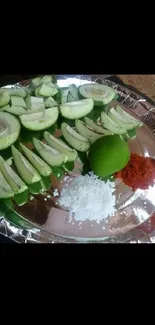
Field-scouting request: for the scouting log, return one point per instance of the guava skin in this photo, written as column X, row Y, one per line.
column 108, row 155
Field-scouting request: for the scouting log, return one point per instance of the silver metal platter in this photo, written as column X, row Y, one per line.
column 134, row 221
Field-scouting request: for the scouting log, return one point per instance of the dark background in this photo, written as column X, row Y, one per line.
column 11, row 79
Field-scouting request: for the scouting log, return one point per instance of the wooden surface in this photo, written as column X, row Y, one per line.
column 144, row 83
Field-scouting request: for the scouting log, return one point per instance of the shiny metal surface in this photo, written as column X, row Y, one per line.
column 135, row 218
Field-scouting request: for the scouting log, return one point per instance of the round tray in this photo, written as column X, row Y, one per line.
column 136, row 212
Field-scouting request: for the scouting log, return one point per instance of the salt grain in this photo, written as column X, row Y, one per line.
column 66, row 178
column 55, row 192
column 87, row 197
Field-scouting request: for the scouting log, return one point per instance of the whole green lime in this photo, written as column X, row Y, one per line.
column 108, row 155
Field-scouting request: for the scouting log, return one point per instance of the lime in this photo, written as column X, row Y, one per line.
column 108, row 155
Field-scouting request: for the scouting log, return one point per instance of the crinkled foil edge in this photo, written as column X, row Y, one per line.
column 144, row 233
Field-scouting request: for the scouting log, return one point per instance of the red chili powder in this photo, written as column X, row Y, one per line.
column 138, row 173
